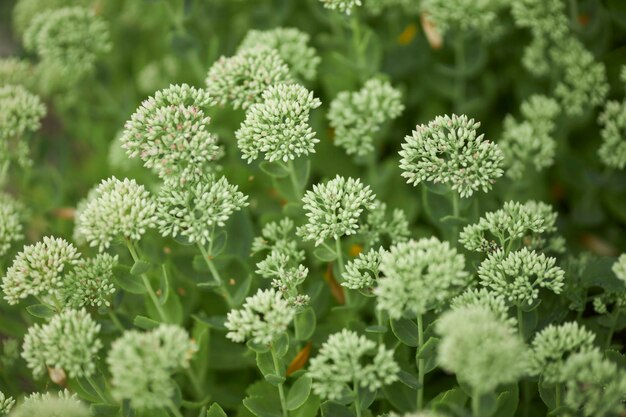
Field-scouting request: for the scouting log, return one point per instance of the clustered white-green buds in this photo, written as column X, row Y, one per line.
column 612, row 152
column 347, row 362
column 89, row 283
column 363, row 271
column 169, row 133
column 69, row 341
column 68, row 40
column 15, row 71
column 378, row 224
column 240, row 80
column 195, row 210
column 519, row 275
column 357, row 116
column 594, row 386
column 38, row 270
column 6, row 404
column 11, row 216
column 419, row 275
column 529, row 143
column 463, row 15
column 21, row 113
column 278, row 126
column 115, row 210
column 142, row 363
column 481, row 350
column 333, row 209
column 553, row 345
column 51, row 405
column 496, row 303
column 291, row 44
column 504, row 227
column 263, row 317
column 277, row 237
column 344, row 6
column 448, row 151
column 619, row 268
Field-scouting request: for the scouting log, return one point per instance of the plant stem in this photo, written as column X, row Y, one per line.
column 294, row 180
column 459, row 58
column 146, row 283
column 116, row 321
column 195, row 383
column 420, row 363
column 609, row 337
column 456, row 213
column 520, row 322
column 475, row 404
column 342, row 269
column 557, row 395
column 216, row 275
column 281, row 391
column 356, row 43
column 174, row 409
column 357, row 399
column 96, row 388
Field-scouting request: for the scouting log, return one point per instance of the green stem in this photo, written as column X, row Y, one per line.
column 339, row 257
column 425, row 202
column 146, row 283
column 174, row 409
column 356, row 43
column 557, row 395
column 520, row 322
column 281, row 390
column 475, row 404
column 459, row 58
column 195, row 383
column 420, row 363
column 294, row 180
column 216, row 276
column 96, row 388
column 609, row 337
column 456, row 213
column 116, row 322
column 357, row 399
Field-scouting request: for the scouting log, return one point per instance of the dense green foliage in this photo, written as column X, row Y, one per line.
column 300, row 208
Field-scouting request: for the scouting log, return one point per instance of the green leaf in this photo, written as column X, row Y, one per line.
column 409, row 379
column 304, row 324
column 366, row 398
column 547, row 392
column 145, row 323
column 262, row 407
column 454, row 396
column 243, row 289
column 274, row 169
column 274, row 379
column 104, row 410
column 400, row 396
column 215, row 411
column 214, row 322
column 281, row 345
column 126, row 281
column 41, row 311
column 265, row 363
column 140, row 267
column 428, row 349
column 219, row 243
column 199, row 264
column 257, row 347
column 324, row 254
column 507, row 402
column 406, row 331
column 332, row 409
column 299, row 392
column 165, row 286
column 376, row 329
column 488, row 405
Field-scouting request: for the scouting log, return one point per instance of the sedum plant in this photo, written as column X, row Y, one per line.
column 11, row 217
column 343, row 6
column 357, row 116
column 53, row 405
column 612, row 152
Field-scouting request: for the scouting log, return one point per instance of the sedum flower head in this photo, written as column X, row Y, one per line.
column 15, row 71
column 195, row 210
column 612, row 152
column 278, row 126
column 594, row 386
column 291, row 44
column 619, row 268
column 22, row 112
column 62, row 404
column 419, row 275
column 463, row 15
column 38, row 270
column 357, row 116
column 142, row 363
column 278, row 237
column 6, row 404
column 115, row 209
column 553, row 345
column 512, row 222
column 333, row 209
column 68, row 342
column 68, row 40
column 241, row 79
column 89, row 283
column 263, row 317
column 529, row 143
column 481, row 350
column 519, row 275
column 363, row 272
column 11, row 215
column 343, row 6
column 482, row 297
column 168, row 132
column 379, row 224
column 448, row 151
column 347, row 359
